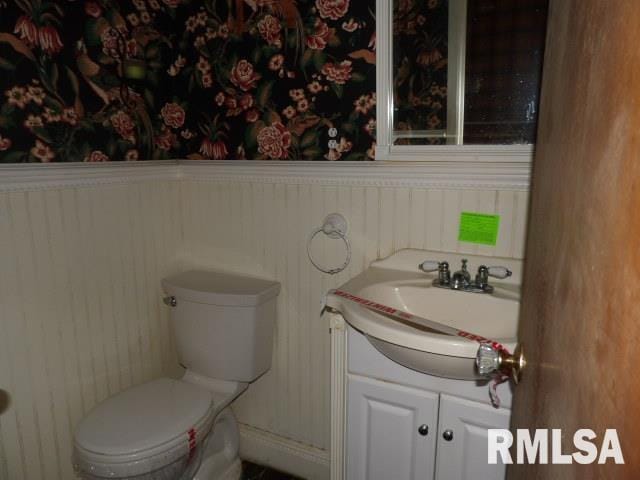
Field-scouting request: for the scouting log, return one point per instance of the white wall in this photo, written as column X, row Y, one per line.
column 81, row 316
column 262, row 228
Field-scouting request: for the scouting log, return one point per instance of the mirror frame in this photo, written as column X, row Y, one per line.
column 385, row 150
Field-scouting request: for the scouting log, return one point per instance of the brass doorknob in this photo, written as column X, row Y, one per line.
column 490, row 360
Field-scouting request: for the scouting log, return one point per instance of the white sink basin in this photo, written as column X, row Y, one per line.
column 397, row 282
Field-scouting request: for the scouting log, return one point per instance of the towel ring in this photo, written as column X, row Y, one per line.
column 334, row 226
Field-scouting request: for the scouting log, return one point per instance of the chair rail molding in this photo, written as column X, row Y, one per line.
column 454, row 172
column 461, row 170
column 43, row 176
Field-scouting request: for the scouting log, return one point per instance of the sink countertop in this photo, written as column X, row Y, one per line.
column 397, row 282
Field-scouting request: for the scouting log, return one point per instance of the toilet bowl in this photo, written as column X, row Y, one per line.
column 182, row 429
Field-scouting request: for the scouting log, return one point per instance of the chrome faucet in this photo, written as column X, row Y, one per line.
column 461, row 279
column 444, row 276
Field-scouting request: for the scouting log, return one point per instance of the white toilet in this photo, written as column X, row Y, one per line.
column 182, row 429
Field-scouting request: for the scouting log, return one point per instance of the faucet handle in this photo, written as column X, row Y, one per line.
column 429, row 266
column 500, row 272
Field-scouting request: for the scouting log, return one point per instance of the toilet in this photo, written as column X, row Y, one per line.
column 173, row 429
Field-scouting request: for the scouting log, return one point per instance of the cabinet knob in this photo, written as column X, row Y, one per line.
column 423, row 430
column 170, row 301
column 447, row 435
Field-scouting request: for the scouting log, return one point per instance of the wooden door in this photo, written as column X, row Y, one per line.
column 391, row 431
column 462, row 439
column 580, row 318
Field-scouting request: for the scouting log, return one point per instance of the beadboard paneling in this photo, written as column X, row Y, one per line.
column 81, row 315
column 262, row 228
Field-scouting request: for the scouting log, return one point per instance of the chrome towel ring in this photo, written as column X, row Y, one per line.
column 334, row 226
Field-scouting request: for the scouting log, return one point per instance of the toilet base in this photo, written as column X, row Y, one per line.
column 220, row 459
column 209, row 472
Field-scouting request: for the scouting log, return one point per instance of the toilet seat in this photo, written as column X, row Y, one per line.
column 154, row 426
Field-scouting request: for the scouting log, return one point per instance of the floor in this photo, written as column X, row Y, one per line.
column 251, row 471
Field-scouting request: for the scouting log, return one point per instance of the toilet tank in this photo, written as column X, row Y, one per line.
column 223, row 323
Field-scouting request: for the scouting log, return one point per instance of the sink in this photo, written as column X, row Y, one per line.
column 397, row 282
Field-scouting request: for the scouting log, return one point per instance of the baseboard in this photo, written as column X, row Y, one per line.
column 283, row 454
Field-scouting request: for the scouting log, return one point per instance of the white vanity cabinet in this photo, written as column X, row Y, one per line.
column 391, row 431
column 462, row 439
column 404, row 425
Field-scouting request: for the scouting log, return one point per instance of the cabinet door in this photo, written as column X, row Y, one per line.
column 391, row 431
column 462, row 440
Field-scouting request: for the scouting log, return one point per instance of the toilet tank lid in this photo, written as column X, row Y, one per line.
column 220, row 288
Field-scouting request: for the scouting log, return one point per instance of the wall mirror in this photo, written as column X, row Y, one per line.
column 454, row 73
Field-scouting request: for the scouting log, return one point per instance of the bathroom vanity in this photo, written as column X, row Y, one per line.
column 419, row 411
column 403, row 424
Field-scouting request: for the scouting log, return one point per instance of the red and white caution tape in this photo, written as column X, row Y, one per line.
column 192, row 443
column 433, row 325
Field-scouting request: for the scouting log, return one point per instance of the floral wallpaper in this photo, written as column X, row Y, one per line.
column 420, row 51
column 108, row 80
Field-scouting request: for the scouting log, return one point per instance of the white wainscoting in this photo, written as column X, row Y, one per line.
column 82, row 257
column 260, row 226
column 81, row 313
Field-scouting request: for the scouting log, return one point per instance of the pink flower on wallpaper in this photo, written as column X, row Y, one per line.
column 17, row 96
column 269, row 27
column 333, row 9
column 246, row 101
column 35, row 94
column 314, row 87
column 110, row 38
column 96, row 156
column 50, row 40
column 33, row 121
column 339, row 73
column 220, row 151
column 214, row 150
column 371, row 152
column 124, row 125
column 171, row 3
column 42, row 151
column 5, row 143
column 289, row 112
column 362, row 104
column 244, row 76
column 207, row 80
column 274, row 141
column 166, row 139
column 318, row 40
column 27, row 30
column 276, row 62
column 231, row 104
column 70, row 116
column 173, row 115
column 206, row 148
